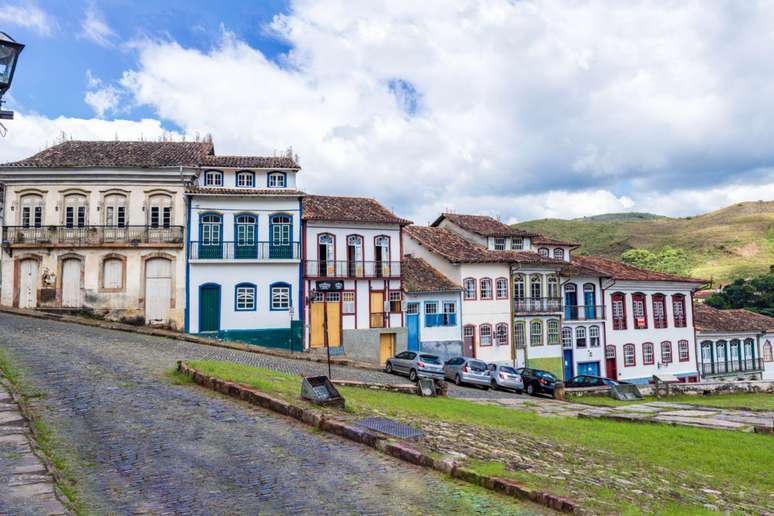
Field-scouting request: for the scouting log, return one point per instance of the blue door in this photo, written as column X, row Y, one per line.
column 412, row 323
column 588, row 300
column 589, row 368
column 570, row 303
column 567, row 362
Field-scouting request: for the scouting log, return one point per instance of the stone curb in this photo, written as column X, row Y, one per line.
column 159, row 332
column 364, row 436
column 758, row 429
column 405, row 388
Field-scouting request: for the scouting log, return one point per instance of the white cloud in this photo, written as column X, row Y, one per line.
column 95, row 28
column 29, row 16
column 103, row 100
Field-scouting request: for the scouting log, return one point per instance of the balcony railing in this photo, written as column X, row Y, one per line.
column 749, row 365
column 350, row 269
column 91, row 235
column 583, row 313
column 244, row 251
column 537, row 305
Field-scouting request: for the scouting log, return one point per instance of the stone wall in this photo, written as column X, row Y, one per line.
column 363, row 345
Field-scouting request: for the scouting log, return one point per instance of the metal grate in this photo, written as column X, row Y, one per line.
column 390, row 427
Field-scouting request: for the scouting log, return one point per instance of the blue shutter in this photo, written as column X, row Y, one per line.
column 452, row 319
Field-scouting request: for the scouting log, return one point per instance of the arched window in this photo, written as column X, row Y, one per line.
column 115, row 210
column 485, row 335
column 768, row 353
column 245, row 179
column 722, row 357
column 678, row 310
column 501, row 334
column 536, row 333
column 519, row 336
column 630, row 357
column 469, row 288
column 536, row 286
column 619, row 310
column 211, row 236
column 734, row 353
column 683, row 351
column 648, row 354
column 659, row 311
column 553, row 287
column 31, row 213
column 280, row 236
column 518, row 287
column 501, row 288
column 244, row 297
column 594, row 336
column 160, row 211
column 213, row 178
column 113, row 274
column 543, row 251
column 567, row 337
column 609, row 351
column 559, row 253
column 355, row 256
column 280, row 296
column 245, row 235
column 707, row 354
column 382, row 255
column 326, row 252
column 639, row 311
column 580, row 336
column 590, row 301
column 75, row 210
column 749, row 354
column 277, row 180
column 485, row 288
column 666, row 352
column 552, row 332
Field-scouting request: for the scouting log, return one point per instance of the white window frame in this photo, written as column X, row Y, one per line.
column 245, row 298
column 213, row 178
column 277, row 180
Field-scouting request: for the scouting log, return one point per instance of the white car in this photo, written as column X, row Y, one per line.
column 506, row 377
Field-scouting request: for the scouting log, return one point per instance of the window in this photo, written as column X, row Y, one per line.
column 630, row 360
column 517, row 243
column 485, row 335
column 580, row 336
column 536, row 286
column 348, row 303
column 768, row 353
column 355, row 256
column 469, row 288
column 518, row 287
column 678, row 310
column 245, row 297
column 211, row 229
column 75, row 208
column 31, row 211
column 277, row 180
column 412, row 308
column 518, row 335
column 567, row 337
column 213, row 178
column 280, row 296
column 485, row 287
column 501, row 288
column 382, row 256
column 469, row 332
column 594, row 336
column 449, row 313
column 553, row 287
column 113, row 274
column 280, row 236
column 431, row 314
column 553, row 332
column 115, row 210
column 666, row 352
column 395, row 299
column 160, row 213
column 639, row 312
column 619, row 311
column 501, row 334
column 659, row 311
column 333, row 297
column 559, row 253
column 543, row 251
column 683, row 350
column 245, row 180
column 648, row 357
column 609, row 351
column 245, row 228
column 499, row 244
column 536, row 333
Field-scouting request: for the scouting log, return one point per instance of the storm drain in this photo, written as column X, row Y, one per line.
column 390, row 427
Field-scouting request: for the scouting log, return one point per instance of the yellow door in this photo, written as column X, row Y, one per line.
column 377, row 309
column 317, row 325
column 316, row 330
column 334, row 324
column 386, row 347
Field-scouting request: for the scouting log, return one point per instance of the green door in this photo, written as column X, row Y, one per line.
column 209, row 308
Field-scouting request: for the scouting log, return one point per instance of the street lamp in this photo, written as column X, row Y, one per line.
column 9, row 53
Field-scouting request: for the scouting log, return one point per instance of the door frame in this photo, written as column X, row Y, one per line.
column 172, row 278
column 60, row 275
column 208, row 286
column 413, row 318
column 17, row 277
column 614, row 359
column 568, row 363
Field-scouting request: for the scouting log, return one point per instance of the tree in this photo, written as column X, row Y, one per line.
column 756, row 294
column 671, row 260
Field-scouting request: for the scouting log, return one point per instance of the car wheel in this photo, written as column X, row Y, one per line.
column 457, row 380
column 494, row 384
column 388, row 368
column 530, row 390
column 519, row 391
column 413, row 375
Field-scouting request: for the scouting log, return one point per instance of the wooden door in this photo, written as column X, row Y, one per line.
column 209, row 308
column 386, row 347
column 317, row 324
column 611, row 368
column 158, row 290
column 71, row 283
column 28, row 284
column 469, row 341
column 377, row 309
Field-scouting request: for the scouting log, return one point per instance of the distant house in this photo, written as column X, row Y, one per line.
column 734, row 344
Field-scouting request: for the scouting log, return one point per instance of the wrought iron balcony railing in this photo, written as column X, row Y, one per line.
column 351, row 269
column 583, row 312
column 91, row 235
column 244, row 251
column 749, row 365
column 536, row 305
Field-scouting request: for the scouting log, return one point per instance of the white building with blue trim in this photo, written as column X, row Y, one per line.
column 244, row 251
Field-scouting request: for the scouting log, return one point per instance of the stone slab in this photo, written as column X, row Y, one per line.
column 691, row 413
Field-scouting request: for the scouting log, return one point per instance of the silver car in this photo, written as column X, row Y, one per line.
column 467, row 370
column 415, row 365
column 505, row 377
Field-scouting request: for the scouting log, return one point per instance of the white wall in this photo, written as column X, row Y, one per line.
column 435, row 333
column 768, row 371
column 229, row 177
column 229, row 207
column 340, row 232
column 489, row 311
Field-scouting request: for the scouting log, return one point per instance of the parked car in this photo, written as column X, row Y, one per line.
column 505, row 377
column 415, row 365
column 586, row 380
column 467, row 370
column 537, row 381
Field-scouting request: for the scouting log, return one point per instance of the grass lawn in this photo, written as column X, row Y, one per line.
column 755, row 401
column 684, row 459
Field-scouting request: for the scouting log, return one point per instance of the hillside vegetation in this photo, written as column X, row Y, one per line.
column 733, row 242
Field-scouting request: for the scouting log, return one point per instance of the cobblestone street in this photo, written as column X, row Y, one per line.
column 139, row 444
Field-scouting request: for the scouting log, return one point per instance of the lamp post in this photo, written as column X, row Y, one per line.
column 9, row 53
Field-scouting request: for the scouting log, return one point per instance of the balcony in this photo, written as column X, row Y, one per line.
column 537, row 305
column 347, row 269
column 240, row 251
column 748, row 365
column 583, row 312
column 92, row 236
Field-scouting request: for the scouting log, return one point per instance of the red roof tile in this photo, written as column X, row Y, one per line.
column 250, row 162
column 543, row 240
column 348, row 209
column 481, row 225
column 623, row 271
column 276, row 192
column 709, row 319
column 419, row 276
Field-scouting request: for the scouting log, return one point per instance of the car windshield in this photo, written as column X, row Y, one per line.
column 509, row 370
column 477, row 366
column 546, row 375
column 430, row 359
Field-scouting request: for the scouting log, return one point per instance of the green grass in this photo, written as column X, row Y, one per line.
column 755, row 401
column 726, row 460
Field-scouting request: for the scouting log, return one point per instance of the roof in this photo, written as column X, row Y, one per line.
column 348, row 209
column 709, row 319
column 456, row 249
column 117, row 154
column 250, row 162
column 419, row 276
column 544, row 240
column 623, row 271
column 279, row 192
column 481, row 225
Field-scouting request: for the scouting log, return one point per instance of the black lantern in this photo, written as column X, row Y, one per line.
column 9, row 53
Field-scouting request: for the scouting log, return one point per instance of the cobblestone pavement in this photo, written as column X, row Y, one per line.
column 139, row 444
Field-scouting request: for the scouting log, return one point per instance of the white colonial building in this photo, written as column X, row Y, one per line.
column 244, row 251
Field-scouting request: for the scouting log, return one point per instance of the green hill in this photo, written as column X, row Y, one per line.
column 733, row 242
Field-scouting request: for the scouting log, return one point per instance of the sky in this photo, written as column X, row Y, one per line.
column 516, row 109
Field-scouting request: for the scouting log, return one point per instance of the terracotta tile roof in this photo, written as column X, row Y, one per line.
column 709, row 319
column 544, row 240
column 622, row 271
column 277, row 192
column 481, row 225
column 419, row 276
column 456, row 249
column 117, row 154
column 348, row 209
column 250, row 162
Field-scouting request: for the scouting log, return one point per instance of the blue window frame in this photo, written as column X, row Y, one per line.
column 213, row 178
column 245, row 179
column 210, row 235
column 440, row 313
column 280, row 297
column 281, row 236
column 244, row 297
column 245, row 235
column 276, row 180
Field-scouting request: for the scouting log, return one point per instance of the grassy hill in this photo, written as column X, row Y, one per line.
column 737, row 241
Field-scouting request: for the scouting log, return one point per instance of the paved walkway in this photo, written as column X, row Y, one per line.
column 140, row 444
